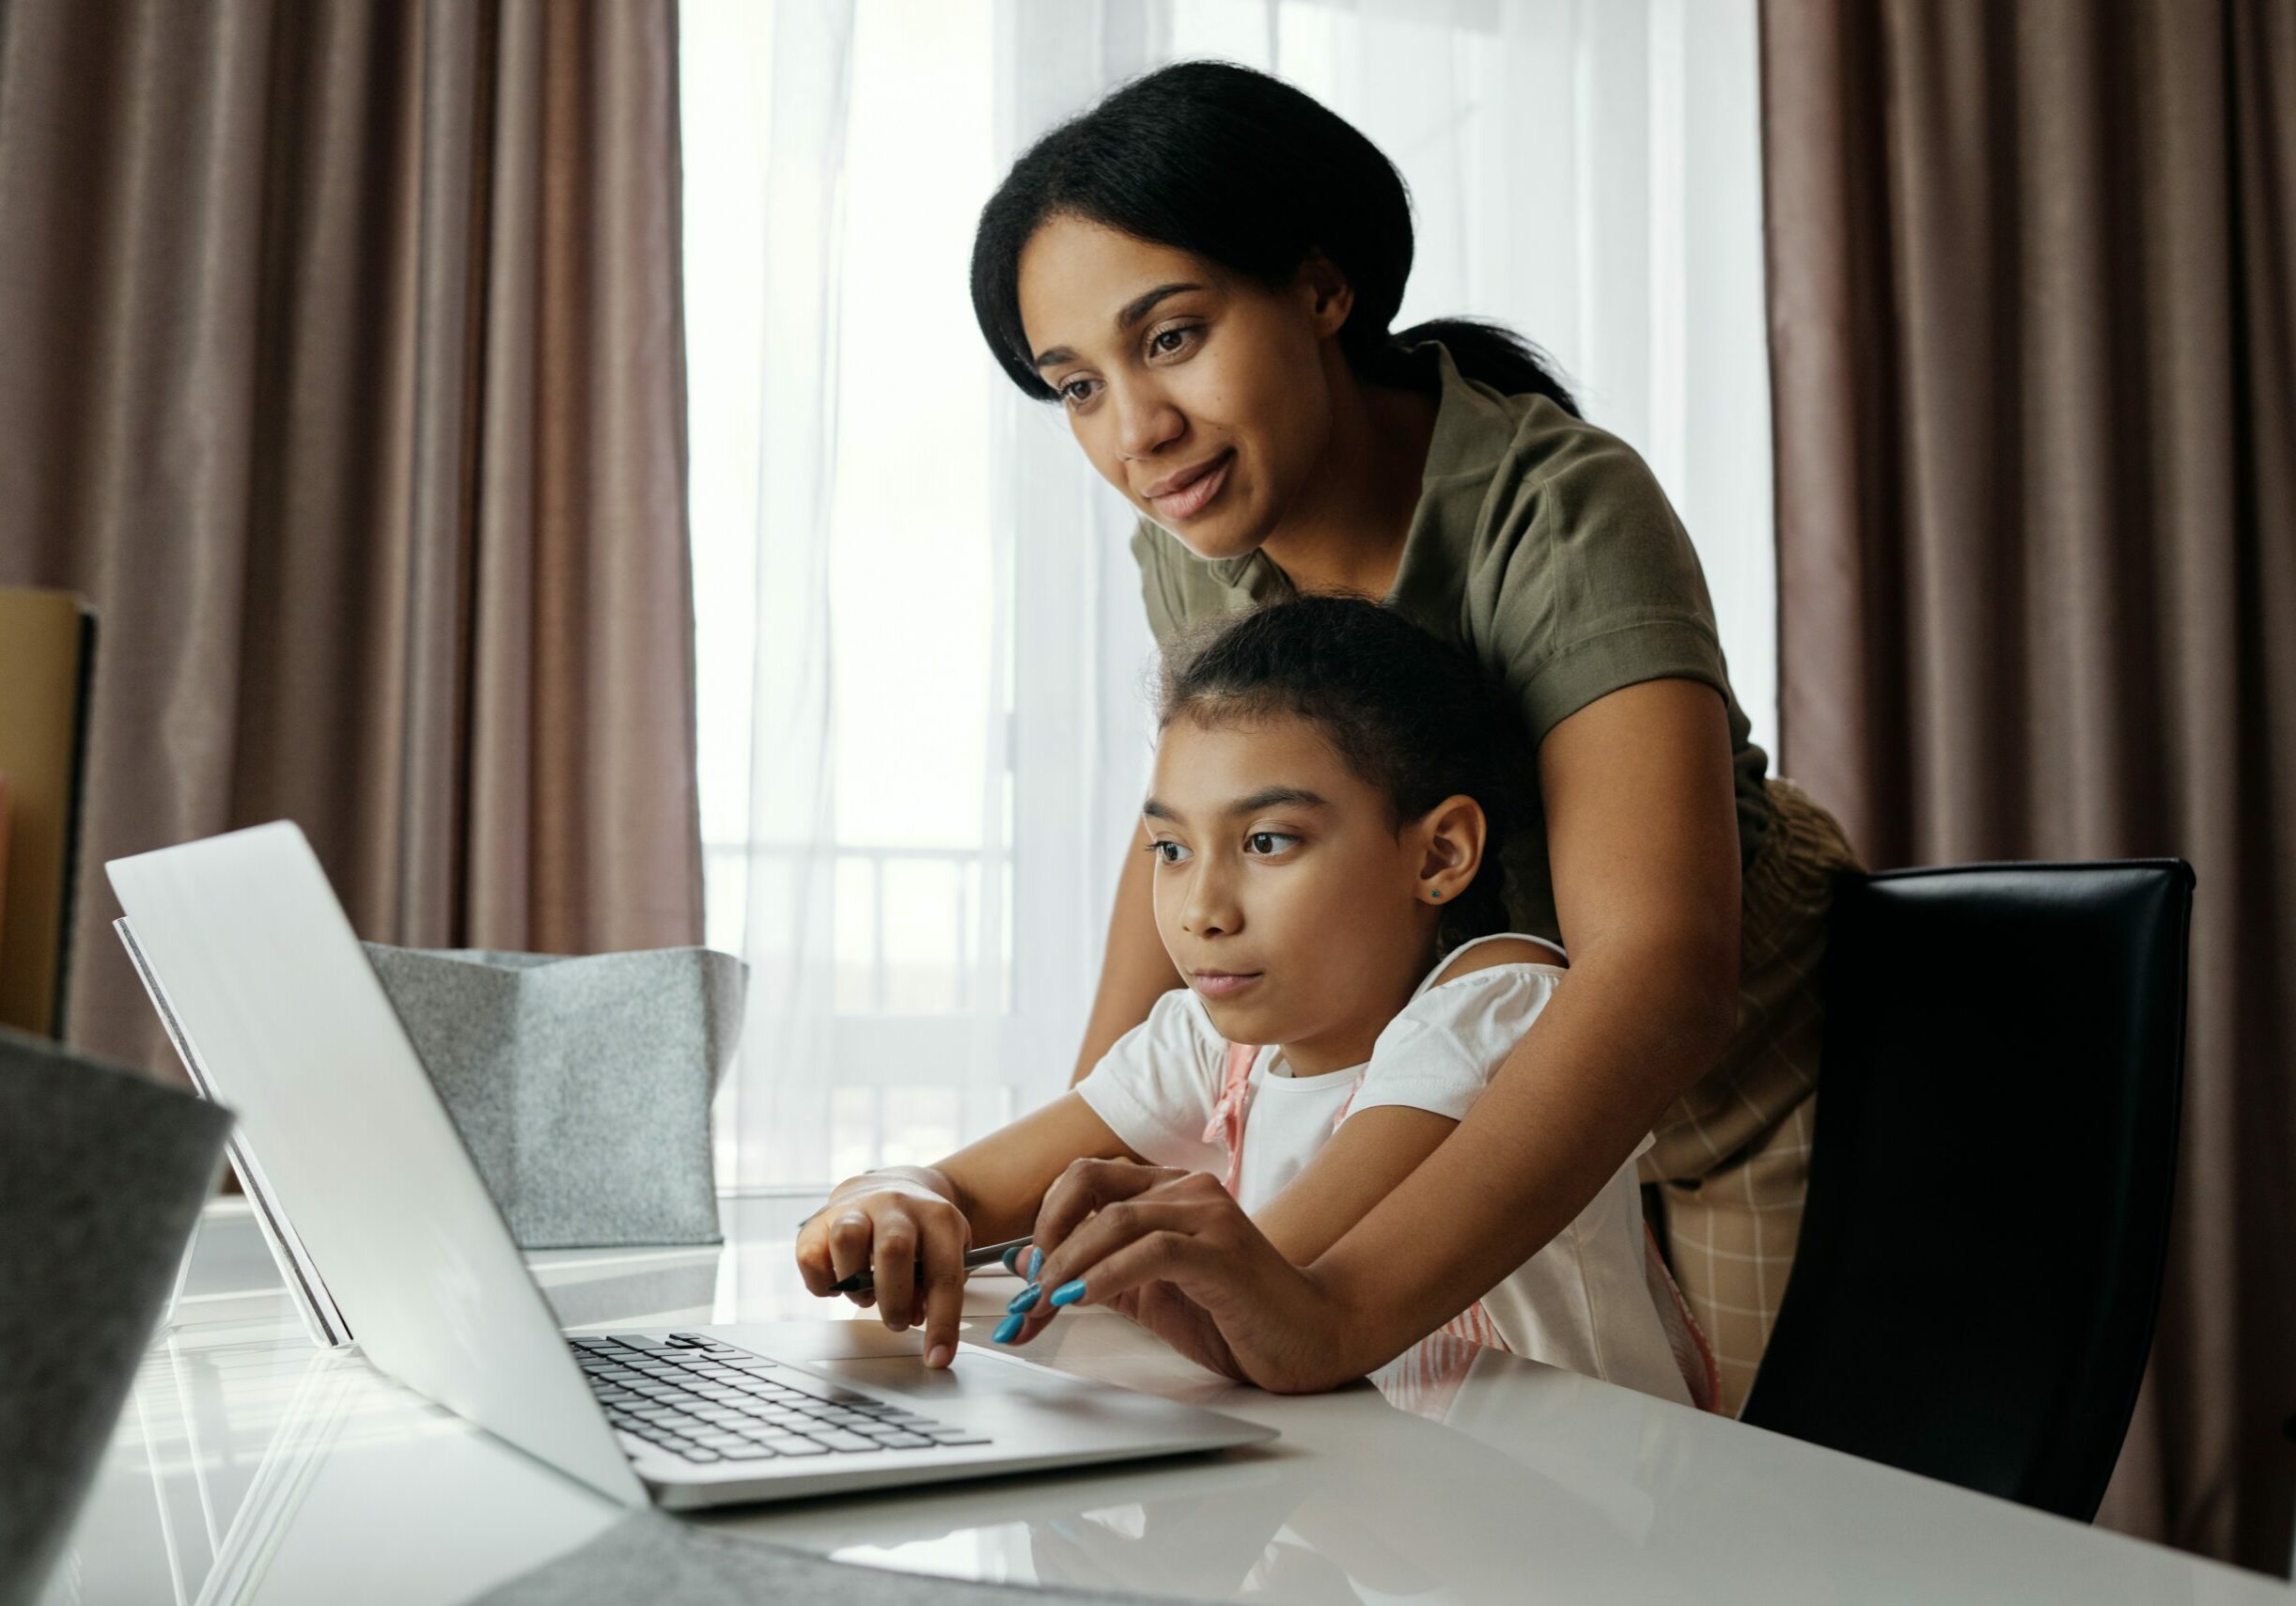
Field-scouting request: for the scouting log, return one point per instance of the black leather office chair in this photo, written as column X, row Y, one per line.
column 1979, row 1266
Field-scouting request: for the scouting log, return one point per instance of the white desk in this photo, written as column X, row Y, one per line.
column 248, row 1467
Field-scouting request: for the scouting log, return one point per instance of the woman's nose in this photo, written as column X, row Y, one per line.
column 1145, row 422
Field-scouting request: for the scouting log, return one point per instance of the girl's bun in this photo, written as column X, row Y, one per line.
column 1411, row 717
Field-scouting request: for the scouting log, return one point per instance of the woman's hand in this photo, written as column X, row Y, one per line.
column 1175, row 1252
column 904, row 1228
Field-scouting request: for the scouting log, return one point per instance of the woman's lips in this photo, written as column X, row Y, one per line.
column 1189, row 500
column 1218, row 984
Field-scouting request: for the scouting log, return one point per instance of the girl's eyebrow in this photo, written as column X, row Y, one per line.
column 1130, row 314
column 1267, row 797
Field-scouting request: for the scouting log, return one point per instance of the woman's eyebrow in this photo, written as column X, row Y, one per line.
column 1130, row 314
column 1267, row 797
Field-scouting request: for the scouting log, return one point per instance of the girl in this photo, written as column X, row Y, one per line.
column 1328, row 811
column 1202, row 273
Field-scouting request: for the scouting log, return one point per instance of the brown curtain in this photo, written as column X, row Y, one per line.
column 2033, row 322
column 341, row 367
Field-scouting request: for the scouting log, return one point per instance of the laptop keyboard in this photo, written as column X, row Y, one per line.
column 708, row 1401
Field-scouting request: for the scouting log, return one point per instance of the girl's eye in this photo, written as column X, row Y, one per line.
column 1168, row 852
column 1266, row 842
column 1076, row 391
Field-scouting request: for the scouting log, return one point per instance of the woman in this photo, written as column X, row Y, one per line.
column 1201, row 270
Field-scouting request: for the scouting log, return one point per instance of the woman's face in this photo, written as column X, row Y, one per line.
column 1203, row 397
column 1296, row 911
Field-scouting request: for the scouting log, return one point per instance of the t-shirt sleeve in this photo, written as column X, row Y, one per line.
column 1592, row 584
column 1167, row 611
column 1157, row 1085
column 1444, row 1049
column 1440, row 1053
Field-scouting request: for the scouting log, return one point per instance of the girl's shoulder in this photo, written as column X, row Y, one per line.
column 1495, row 953
column 1160, row 1082
column 1487, row 993
column 1463, row 1022
column 1180, row 1040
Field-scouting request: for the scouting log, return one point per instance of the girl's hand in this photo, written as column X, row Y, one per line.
column 1174, row 1250
column 909, row 1236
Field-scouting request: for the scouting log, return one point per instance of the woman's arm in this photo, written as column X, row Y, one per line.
column 1135, row 971
column 1642, row 838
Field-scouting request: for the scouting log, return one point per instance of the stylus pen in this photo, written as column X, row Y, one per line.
column 973, row 1260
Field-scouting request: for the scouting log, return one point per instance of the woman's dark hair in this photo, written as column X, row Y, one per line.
column 1408, row 715
column 1245, row 171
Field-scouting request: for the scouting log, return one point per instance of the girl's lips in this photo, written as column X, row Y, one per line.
column 1189, row 500
column 1214, row 986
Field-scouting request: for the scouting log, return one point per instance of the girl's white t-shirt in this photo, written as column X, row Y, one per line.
column 1584, row 1301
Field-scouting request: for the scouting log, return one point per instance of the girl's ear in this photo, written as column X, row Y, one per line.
column 1450, row 847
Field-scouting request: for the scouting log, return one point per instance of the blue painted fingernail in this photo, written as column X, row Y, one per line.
column 1036, row 1263
column 1026, row 1298
column 1068, row 1292
column 1006, row 1328
column 1012, row 1261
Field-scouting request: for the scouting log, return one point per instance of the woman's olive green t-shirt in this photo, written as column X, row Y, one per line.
column 1544, row 548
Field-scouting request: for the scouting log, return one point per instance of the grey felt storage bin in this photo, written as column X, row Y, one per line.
column 581, row 1086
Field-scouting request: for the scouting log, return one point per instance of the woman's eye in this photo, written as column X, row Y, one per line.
column 1167, row 341
column 1168, row 852
column 1076, row 391
column 1266, row 842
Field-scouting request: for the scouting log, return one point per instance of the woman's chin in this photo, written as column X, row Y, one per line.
column 1216, row 540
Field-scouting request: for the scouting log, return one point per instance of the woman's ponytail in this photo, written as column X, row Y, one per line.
column 1495, row 357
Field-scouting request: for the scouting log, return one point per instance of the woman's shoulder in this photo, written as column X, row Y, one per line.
column 1565, row 565
column 1556, row 478
column 1182, row 589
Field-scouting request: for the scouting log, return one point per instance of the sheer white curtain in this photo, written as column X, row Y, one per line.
column 922, row 663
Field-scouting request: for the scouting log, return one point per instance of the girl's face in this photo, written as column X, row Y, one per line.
column 1204, row 398
column 1283, row 895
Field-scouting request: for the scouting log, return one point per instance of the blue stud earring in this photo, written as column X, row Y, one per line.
column 1433, row 896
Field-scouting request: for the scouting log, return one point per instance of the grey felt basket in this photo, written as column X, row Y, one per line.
column 581, row 1086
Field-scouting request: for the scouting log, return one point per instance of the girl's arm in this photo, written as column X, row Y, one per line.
column 1366, row 1158
column 910, row 1225
column 1642, row 836
column 1136, row 971
column 999, row 1181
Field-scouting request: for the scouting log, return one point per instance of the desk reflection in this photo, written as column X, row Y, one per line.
column 249, row 1468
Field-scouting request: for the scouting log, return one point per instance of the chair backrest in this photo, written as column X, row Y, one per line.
column 47, row 659
column 1979, row 1267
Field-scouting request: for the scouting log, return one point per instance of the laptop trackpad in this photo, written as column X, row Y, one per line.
column 971, row 1378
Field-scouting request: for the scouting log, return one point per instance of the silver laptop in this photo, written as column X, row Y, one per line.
column 270, row 989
